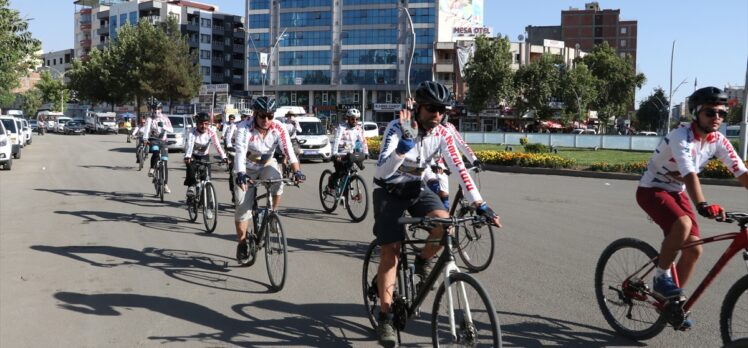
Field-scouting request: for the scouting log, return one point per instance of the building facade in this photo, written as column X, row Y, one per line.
column 735, row 95
column 60, row 61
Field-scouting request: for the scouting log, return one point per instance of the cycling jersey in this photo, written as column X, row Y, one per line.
column 349, row 139
column 228, row 133
column 252, row 149
column 682, row 152
column 292, row 127
column 393, row 168
column 137, row 131
column 461, row 144
column 152, row 130
column 199, row 143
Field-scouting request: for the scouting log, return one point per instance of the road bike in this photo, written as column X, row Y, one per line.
column 230, row 153
column 204, row 198
column 635, row 311
column 350, row 190
column 267, row 232
column 462, row 312
column 159, row 175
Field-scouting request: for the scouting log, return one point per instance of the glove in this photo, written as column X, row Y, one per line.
column 298, row 176
column 485, row 211
column 433, row 185
column 709, row 211
column 409, row 132
column 478, row 164
column 404, row 145
column 241, row 178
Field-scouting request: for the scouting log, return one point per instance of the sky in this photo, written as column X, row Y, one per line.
column 711, row 37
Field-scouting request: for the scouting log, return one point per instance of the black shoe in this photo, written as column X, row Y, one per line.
column 242, row 251
column 423, row 267
column 386, row 331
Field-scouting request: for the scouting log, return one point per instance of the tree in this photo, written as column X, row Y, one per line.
column 578, row 90
column 653, row 111
column 488, row 73
column 18, row 49
column 52, row 90
column 735, row 114
column 99, row 79
column 31, row 101
column 177, row 76
column 537, row 85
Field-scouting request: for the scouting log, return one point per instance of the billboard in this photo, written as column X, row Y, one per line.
column 460, row 20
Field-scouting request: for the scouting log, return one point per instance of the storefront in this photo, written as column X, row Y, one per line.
column 386, row 112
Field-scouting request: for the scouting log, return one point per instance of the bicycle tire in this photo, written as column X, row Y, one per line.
column 141, row 158
column 192, row 205
column 329, row 202
column 369, row 283
column 210, row 208
column 645, row 315
column 733, row 318
column 276, row 252
column 475, row 246
column 357, row 195
column 161, row 184
column 483, row 330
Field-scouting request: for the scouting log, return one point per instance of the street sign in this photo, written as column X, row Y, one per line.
column 217, row 88
column 299, row 80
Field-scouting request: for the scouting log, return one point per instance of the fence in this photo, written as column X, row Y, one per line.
column 601, row 141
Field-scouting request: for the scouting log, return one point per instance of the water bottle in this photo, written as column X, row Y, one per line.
column 357, row 147
column 261, row 216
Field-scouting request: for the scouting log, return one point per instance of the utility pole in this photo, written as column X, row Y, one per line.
column 670, row 98
column 744, row 124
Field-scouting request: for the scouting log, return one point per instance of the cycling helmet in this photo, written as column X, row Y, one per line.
column 202, row 117
column 231, row 117
column 264, row 104
column 353, row 112
column 157, row 105
column 706, row 95
column 433, row 93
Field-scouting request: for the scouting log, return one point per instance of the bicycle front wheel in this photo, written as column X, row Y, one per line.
column 369, row 283
column 357, row 202
column 141, row 158
column 622, row 292
column 733, row 318
column 210, row 208
column 276, row 252
column 475, row 320
column 192, row 204
column 474, row 243
column 329, row 202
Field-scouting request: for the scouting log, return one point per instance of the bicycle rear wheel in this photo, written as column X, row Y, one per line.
column 329, row 202
column 369, row 283
column 141, row 157
column 733, row 318
column 622, row 292
column 475, row 244
column 476, row 324
column 357, row 200
column 210, row 208
column 276, row 252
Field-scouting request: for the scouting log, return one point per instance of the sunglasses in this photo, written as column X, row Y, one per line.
column 435, row 108
column 715, row 112
column 265, row 116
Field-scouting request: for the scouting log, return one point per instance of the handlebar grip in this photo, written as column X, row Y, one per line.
column 409, row 220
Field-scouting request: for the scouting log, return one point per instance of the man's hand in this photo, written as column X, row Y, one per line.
column 484, row 210
column 478, row 164
column 241, row 180
column 710, row 211
column 408, row 124
column 187, row 160
column 298, row 177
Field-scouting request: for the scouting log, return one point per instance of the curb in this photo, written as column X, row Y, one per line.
column 591, row 174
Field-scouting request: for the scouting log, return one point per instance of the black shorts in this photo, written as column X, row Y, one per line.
column 388, row 208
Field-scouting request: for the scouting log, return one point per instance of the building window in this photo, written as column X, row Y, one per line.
column 259, row 21
column 425, row 36
column 624, row 30
column 423, row 15
column 204, row 38
column 133, row 18
column 372, row 36
column 623, row 43
column 423, row 56
column 368, row 77
column 205, row 70
column 372, row 56
column 204, row 54
column 308, row 77
column 307, row 38
column 206, row 23
column 622, row 54
column 304, row 58
column 304, row 3
column 259, row 4
column 372, row 16
column 67, row 58
column 306, row 19
column 419, row 75
column 364, row 2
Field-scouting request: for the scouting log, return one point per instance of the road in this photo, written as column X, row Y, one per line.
column 89, row 258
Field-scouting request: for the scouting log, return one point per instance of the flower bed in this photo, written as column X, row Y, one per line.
column 538, row 160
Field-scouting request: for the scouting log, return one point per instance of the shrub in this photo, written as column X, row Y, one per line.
column 536, row 148
column 374, row 145
column 523, row 141
column 504, row 158
column 629, row 167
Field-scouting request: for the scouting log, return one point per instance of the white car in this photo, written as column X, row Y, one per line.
column 583, row 131
column 26, row 126
column 13, row 130
column 181, row 124
column 646, row 133
column 313, row 139
column 6, row 148
column 371, row 129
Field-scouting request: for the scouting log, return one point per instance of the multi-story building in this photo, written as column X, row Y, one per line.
column 60, row 61
column 211, row 34
column 735, row 94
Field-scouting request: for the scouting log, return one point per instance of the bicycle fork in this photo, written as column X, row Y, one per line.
column 450, row 268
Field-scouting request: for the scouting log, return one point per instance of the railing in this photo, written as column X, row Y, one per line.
column 600, row 141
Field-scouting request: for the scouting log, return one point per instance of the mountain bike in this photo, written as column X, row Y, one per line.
column 462, row 312
column 635, row 311
column 204, row 198
column 159, row 176
column 267, row 232
column 350, row 190
column 230, row 168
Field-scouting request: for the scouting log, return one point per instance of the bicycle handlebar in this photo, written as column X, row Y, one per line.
column 268, row 182
column 443, row 221
column 735, row 216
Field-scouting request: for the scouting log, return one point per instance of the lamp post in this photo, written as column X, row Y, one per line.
column 412, row 49
column 263, row 66
column 62, row 91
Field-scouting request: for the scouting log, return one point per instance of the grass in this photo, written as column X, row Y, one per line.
column 584, row 157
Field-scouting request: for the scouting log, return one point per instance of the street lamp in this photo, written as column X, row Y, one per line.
column 62, row 91
column 670, row 104
column 412, row 49
column 267, row 56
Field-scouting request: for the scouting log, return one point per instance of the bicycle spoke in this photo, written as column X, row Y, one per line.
column 475, row 320
column 275, row 252
column 357, row 202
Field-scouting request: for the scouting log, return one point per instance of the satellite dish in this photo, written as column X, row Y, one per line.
column 521, row 37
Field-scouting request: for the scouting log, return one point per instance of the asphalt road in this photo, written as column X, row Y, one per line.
column 89, row 258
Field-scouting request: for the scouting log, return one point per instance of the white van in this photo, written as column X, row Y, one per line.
column 6, row 149
column 49, row 117
column 14, row 133
column 313, row 139
column 280, row 113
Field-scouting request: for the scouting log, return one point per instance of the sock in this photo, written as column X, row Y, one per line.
column 659, row 272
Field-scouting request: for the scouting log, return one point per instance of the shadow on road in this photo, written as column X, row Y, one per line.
column 537, row 331
column 315, row 325
column 123, row 149
column 312, row 214
column 135, row 198
column 128, row 168
column 348, row 248
column 155, row 222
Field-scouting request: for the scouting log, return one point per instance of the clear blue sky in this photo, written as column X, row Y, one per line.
column 711, row 36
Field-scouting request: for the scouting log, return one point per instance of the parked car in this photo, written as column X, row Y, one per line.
column 60, row 123
column 75, row 127
column 14, row 134
column 583, row 131
column 371, row 129
column 313, row 139
column 647, row 133
column 6, row 148
column 34, row 125
column 181, row 124
column 27, row 131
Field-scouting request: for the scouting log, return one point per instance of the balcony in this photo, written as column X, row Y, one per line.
column 217, row 61
column 103, row 31
column 85, row 11
column 85, row 26
column 239, row 48
column 86, row 43
column 218, row 45
column 237, row 64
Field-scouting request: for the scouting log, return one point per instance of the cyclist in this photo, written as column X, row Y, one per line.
column 349, row 138
column 137, row 133
column 227, row 133
column 672, row 172
column 197, row 146
column 293, row 127
column 158, row 126
column 407, row 148
column 256, row 141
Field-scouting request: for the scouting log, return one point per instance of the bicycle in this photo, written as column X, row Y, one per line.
column 634, row 311
column 267, row 232
column 350, row 191
column 140, row 154
column 230, row 168
column 159, row 176
column 462, row 312
column 204, row 198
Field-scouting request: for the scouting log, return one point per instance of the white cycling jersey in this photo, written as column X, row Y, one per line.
column 198, row 144
column 137, row 131
column 393, row 168
column 152, row 130
column 292, row 127
column 228, row 133
column 251, row 147
column 682, row 152
column 461, row 145
column 349, row 139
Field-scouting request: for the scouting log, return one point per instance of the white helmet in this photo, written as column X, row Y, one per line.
column 353, row 112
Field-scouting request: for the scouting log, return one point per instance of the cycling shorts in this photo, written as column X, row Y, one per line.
column 245, row 200
column 665, row 207
column 388, row 208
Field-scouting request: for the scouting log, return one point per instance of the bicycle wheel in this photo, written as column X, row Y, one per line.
column 192, row 204
column 141, row 158
column 475, row 244
column 161, row 184
column 329, row 202
column 733, row 318
column 625, row 303
column 276, row 252
column 210, row 208
column 369, row 283
column 476, row 324
column 357, row 199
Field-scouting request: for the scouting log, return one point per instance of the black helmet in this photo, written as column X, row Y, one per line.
column 202, row 117
column 231, row 117
column 264, row 104
column 157, row 105
column 706, row 95
column 433, row 93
